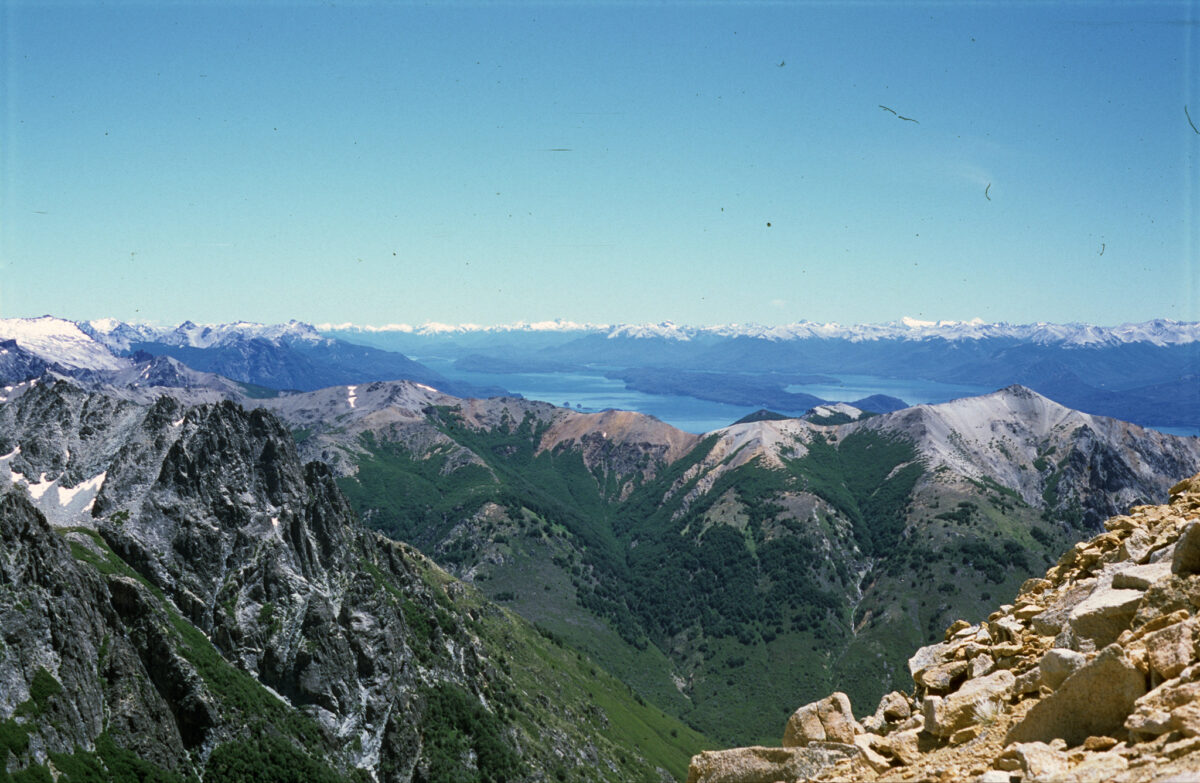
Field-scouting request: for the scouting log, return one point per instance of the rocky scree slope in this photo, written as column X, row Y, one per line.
column 758, row 564
column 216, row 610
column 1091, row 674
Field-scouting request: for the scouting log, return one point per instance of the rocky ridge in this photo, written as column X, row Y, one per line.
column 1091, row 674
column 216, row 599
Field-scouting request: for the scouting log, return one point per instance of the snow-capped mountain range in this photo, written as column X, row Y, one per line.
column 96, row 344
column 1159, row 331
column 1147, row 373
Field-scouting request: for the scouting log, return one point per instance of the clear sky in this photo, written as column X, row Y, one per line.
column 609, row 162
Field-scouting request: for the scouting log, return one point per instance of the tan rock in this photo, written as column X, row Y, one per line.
column 982, row 665
column 964, row 735
column 1029, row 682
column 1140, row 577
column 977, row 701
column 1005, row 650
column 826, row 720
column 1094, row 700
column 1187, row 485
column 1058, row 664
column 1162, row 621
column 1034, row 586
column 1099, row 768
column 1104, row 614
column 1035, row 760
column 1121, row 523
column 955, row 627
column 866, row 743
column 904, row 746
column 943, row 678
column 1027, row 612
column 1137, row 548
column 1094, row 743
column 894, row 707
column 767, row 765
column 928, row 656
column 1173, row 706
column 1187, row 550
column 1171, row 649
column 1006, row 628
column 1059, row 606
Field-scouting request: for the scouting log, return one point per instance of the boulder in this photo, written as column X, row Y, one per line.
column 1058, row 664
column 1035, row 760
column 1100, row 768
column 1137, row 548
column 1140, row 577
column 1104, row 614
column 895, row 706
column 1187, row 551
column 827, row 720
column 1188, row 485
column 767, row 765
column 944, row 677
column 1058, row 607
column 1171, row 649
column 904, row 746
column 1173, row 706
column 866, row 743
column 975, row 702
column 928, row 656
column 1094, row 700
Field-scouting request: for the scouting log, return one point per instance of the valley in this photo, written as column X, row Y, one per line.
column 617, row 593
column 776, row 557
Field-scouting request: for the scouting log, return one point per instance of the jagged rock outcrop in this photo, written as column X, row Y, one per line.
column 215, row 604
column 1091, row 674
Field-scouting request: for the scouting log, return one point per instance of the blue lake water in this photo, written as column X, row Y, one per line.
column 591, row 392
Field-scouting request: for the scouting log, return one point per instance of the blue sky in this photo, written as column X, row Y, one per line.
column 610, row 162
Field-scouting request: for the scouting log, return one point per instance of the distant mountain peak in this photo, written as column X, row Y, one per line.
column 1158, row 331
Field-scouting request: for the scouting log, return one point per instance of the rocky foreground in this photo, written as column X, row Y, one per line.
column 1092, row 674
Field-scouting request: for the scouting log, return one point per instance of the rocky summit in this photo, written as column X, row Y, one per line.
column 1090, row 674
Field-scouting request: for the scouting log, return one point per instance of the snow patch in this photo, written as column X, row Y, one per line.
column 61, row 342
column 351, row 396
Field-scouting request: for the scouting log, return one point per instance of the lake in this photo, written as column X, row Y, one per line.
column 591, row 392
